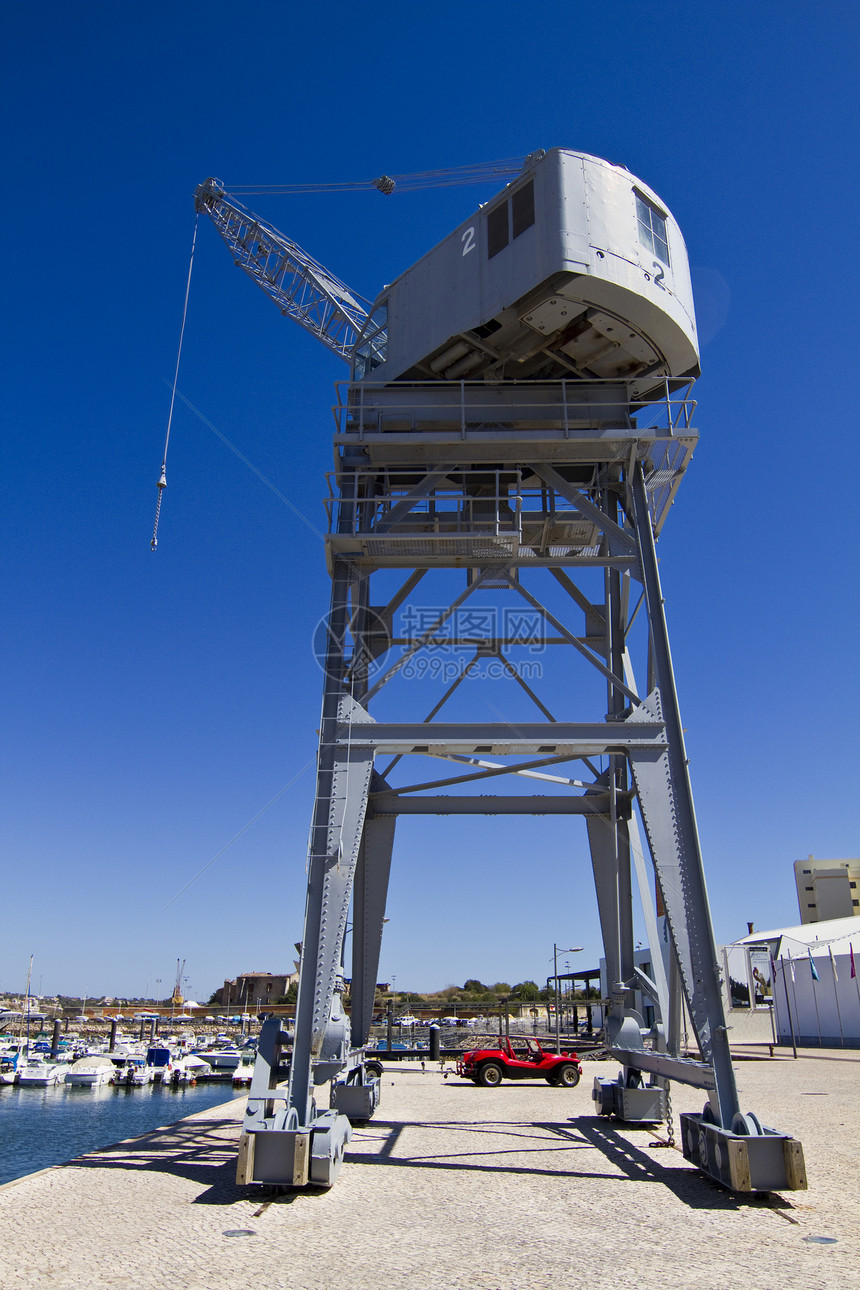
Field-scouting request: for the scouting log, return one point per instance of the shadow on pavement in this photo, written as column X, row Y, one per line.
column 206, row 1156
column 544, row 1155
column 187, row 1150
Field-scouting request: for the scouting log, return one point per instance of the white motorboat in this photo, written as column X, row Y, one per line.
column 132, row 1070
column 187, row 1070
column 38, row 1073
column 243, row 1072
column 222, row 1059
column 91, row 1072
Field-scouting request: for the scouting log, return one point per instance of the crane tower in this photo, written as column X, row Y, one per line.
column 516, row 424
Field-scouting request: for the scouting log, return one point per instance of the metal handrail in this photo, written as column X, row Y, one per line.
column 364, row 406
column 447, row 507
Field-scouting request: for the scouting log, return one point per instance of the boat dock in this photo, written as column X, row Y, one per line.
column 514, row 1188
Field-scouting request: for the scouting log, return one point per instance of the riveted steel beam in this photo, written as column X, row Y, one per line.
column 589, row 739
column 494, row 804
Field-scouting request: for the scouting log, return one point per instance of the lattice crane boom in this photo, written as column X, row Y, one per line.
column 301, row 288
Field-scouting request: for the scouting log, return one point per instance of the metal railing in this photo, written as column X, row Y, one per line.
column 365, row 408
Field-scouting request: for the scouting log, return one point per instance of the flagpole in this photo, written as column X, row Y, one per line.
column 813, row 973
column 788, row 1007
column 836, row 994
column 794, row 988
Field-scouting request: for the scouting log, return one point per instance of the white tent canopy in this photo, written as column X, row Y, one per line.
column 816, row 985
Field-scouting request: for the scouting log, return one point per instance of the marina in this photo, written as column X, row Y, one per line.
column 48, row 1125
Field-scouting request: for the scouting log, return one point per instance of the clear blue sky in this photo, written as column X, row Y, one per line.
column 154, row 703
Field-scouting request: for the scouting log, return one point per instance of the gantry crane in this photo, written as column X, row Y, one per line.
column 519, row 409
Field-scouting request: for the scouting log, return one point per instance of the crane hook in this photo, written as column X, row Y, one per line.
column 162, row 484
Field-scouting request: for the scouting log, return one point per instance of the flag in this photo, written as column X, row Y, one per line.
column 853, row 968
column 833, row 963
column 791, row 967
column 812, row 967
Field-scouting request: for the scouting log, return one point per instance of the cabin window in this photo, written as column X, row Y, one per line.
column 523, row 208
column 497, row 230
column 510, row 219
column 652, row 228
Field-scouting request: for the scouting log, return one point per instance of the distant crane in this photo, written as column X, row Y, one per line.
column 176, row 999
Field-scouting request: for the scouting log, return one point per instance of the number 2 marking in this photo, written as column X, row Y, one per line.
column 468, row 239
column 658, row 277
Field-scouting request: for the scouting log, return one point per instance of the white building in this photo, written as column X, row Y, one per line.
column 812, row 975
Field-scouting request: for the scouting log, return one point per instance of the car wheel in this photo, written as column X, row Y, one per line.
column 374, row 1068
column 568, row 1076
column 490, row 1075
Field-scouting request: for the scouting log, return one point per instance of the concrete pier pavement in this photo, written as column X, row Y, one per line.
column 451, row 1185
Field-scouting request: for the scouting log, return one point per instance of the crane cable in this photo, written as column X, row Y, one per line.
column 480, row 172
column 162, row 479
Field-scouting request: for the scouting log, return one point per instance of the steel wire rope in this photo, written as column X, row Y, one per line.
column 449, row 177
column 256, row 470
column 236, row 836
column 162, row 479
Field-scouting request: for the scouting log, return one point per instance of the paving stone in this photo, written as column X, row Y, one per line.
column 451, row 1185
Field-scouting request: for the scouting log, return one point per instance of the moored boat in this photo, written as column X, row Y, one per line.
column 158, row 1059
column 222, row 1059
column 38, row 1073
column 243, row 1073
column 187, row 1070
column 132, row 1070
column 8, row 1070
column 91, row 1072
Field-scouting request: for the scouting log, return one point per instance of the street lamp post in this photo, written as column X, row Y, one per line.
column 573, row 949
column 566, row 994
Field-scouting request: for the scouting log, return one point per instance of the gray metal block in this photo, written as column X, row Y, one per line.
column 643, row 1105
column 357, row 1101
column 274, row 1156
column 769, row 1161
column 602, row 1095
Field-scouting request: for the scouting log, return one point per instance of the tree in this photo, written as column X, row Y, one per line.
column 474, row 987
column 526, row 990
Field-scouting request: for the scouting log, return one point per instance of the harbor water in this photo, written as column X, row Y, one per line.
column 49, row 1126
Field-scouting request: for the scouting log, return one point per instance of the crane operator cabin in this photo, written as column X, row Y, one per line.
column 576, row 269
